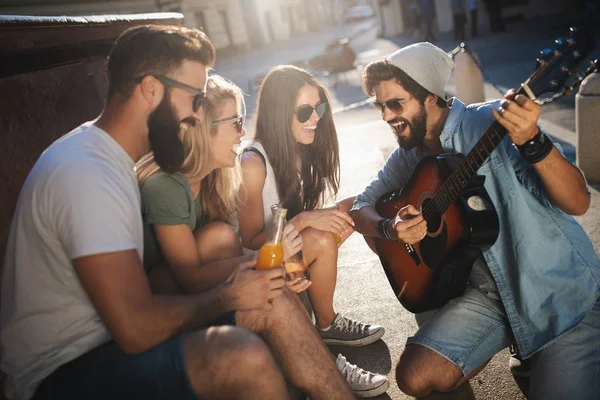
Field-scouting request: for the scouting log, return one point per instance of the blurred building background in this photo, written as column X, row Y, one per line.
column 240, row 25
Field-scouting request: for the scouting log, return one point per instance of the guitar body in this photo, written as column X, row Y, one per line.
column 420, row 275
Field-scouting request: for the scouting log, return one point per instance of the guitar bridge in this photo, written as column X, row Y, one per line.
column 413, row 253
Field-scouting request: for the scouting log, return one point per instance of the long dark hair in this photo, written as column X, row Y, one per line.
column 319, row 161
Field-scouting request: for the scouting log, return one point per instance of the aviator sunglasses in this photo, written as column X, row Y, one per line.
column 394, row 105
column 199, row 93
column 304, row 112
column 238, row 121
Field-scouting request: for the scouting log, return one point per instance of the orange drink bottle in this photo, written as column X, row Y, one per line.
column 270, row 254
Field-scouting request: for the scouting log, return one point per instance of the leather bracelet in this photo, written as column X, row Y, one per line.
column 382, row 228
column 545, row 148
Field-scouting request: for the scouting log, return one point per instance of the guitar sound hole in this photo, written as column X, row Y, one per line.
column 432, row 216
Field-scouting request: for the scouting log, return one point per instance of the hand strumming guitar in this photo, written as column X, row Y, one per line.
column 408, row 225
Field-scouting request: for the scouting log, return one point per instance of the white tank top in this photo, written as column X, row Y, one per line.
column 270, row 195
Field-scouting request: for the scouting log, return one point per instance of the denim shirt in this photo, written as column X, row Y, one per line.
column 545, row 266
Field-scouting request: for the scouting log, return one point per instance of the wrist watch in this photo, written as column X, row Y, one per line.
column 536, row 149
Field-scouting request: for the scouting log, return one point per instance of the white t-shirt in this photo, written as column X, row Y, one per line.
column 81, row 198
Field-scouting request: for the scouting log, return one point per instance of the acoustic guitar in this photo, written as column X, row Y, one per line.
column 461, row 218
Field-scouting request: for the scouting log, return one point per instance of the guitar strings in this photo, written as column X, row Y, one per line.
column 457, row 180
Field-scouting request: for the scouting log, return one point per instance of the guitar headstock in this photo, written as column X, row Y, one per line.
column 556, row 67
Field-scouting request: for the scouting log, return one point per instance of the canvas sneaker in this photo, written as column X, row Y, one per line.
column 363, row 383
column 346, row 331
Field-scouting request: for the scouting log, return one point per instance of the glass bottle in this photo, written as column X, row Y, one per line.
column 270, row 254
column 295, row 267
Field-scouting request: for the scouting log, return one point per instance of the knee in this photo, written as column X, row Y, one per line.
column 212, row 354
column 287, row 310
column 419, row 373
column 321, row 240
column 220, row 234
column 410, row 381
column 229, row 346
column 246, row 349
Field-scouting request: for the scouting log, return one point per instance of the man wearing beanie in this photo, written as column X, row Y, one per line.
column 537, row 286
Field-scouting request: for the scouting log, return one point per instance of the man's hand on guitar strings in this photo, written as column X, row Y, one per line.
column 409, row 225
column 519, row 115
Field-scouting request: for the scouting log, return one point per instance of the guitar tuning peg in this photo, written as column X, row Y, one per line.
column 545, row 56
column 576, row 54
column 567, row 90
column 560, row 42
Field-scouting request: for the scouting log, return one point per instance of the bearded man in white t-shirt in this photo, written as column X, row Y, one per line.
column 78, row 319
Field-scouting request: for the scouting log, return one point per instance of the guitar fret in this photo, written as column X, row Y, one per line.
column 462, row 175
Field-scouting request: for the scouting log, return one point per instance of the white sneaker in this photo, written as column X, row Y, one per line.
column 363, row 383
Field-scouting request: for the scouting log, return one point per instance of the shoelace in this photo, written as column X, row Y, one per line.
column 356, row 375
column 349, row 325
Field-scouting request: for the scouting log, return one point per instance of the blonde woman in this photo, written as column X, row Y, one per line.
column 189, row 245
column 189, row 242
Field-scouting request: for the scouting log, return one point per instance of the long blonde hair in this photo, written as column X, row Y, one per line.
column 218, row 187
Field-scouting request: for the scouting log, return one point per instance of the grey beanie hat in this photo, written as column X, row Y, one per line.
column 427, row 64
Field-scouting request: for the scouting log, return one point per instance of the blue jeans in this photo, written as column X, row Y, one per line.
column 471, row 329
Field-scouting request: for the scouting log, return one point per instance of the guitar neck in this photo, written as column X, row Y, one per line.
column 468, row 167
column 461, row 176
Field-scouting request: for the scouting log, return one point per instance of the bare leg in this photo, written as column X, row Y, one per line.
column 321, row 253
column 300, row 352
column 230, row 362
column 218, row 244
column 421, row 371
column 217, row 241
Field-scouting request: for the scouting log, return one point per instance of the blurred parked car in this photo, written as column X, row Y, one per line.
column 358, row 13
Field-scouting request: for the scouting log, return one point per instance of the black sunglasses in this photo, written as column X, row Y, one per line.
column 304, row 112
column 394, row 105
column 200, row 94
column 238, row 121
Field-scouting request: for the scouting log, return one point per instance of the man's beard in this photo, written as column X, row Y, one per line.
column 418, row 130
column 163, row 133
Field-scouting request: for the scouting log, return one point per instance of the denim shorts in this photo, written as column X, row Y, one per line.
column 471, row 329
column 106, row 372
column 467, row 331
